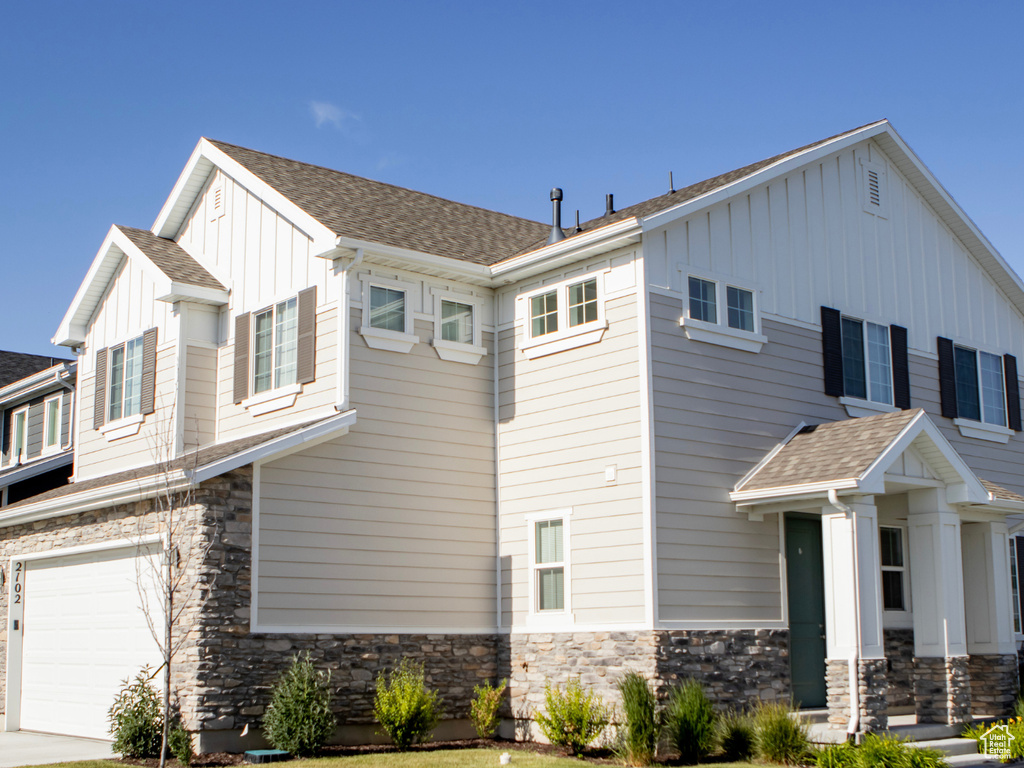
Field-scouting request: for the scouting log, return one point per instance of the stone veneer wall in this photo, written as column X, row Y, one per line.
column 942, row 689
column 871, row 692
column 899, row 651
column 993, row 684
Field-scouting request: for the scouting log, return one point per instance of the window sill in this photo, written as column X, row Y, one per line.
column 272, row 400
column 457, row 352
column 982, row 431
column 897, row 620
column 712, row 333
column 549, row 619
column 392, row 341
column 580, row 336
column 855, row 407
column 53, row 450
column 126, row 427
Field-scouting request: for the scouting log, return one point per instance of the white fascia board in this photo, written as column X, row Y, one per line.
column 347, row 246
column 73, row 327
column 36, row 383
column 204, row 158
column 597, row 241
column 303, row 438
column 37, row 467
column 803, row 491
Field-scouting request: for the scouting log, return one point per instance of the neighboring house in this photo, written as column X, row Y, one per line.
column 763, row 430
column 37, row 396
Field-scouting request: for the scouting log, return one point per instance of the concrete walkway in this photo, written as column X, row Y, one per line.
column 19, row 748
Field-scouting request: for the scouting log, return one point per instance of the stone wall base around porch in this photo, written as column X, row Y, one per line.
column 942, row 689
column 872, row 685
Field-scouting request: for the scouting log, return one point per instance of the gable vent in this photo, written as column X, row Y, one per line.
column 874, row 196
column 217, row 201
column 873, row 189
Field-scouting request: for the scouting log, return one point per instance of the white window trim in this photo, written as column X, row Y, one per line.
column 565, row 337
column 123, row 420
column 273, row 392
column 123, row 427
column 56, row 447
column 18, row 457
column 455, row 351
column 856, row 406
column 898, row 619
column 982, row 430
column 272, row 399
column 564, row 617
column 720, row 332
column 1015, row 616
column 381, row 338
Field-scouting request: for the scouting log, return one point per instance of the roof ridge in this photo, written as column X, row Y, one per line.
column 218, row 143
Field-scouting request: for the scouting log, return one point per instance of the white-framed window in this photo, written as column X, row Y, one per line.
column 51, row 424
column 867, row 361
column 550, row 574
column 894, row 569
column 458, row 321
column 718, row 311
column 980, row 390
column 388, row 320
column 124, row 380
column 275, row 344
column 458, row 335
column 1015, row 586
column 564, row 315
column 19, row 436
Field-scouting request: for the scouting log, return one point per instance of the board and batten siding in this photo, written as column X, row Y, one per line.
column 562, row 420
column 804, row 240
column 392, row 525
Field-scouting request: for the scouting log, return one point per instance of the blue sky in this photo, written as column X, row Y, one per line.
column 488, row 103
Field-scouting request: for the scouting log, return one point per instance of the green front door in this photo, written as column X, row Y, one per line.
column 806, row 590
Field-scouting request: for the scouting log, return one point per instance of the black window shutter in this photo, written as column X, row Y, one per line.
column 1012, row 392
column 241, row 373
column 947, row 378
column 306, row 357
column 99, row 400
column 900, row 366
column 832, row 350
column 148, row 403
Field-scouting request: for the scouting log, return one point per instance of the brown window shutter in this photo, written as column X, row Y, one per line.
column 241, row 357
column 1012, row 393
column 149, row 371
column 947, row 378
column 900, row 366
column 832, row 350
column 307, row 336
column 99, row 401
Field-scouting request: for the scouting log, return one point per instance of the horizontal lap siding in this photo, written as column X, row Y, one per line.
column 563, row 418
column 392, row 525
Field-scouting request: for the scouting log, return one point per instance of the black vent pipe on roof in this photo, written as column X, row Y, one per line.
column 556, row 217
column 609, row 205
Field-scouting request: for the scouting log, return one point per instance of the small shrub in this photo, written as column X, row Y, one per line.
column 403, row 706
column 135, row 721
column 837, row 756
column 779, row 737
column 299, row 718
column 483, row 709
column 736, row 737
column 926, row 758
column 1016, row 728
column 690, row 721
column 638, row 735
column 179, row 742
column 574, row 718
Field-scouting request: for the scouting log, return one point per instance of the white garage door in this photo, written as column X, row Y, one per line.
column 84, row 632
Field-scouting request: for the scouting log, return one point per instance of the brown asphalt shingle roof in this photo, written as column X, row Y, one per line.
column 364, row 209
column 999, row 492
column 838, row 450
column 15, row 366
column 171, row 259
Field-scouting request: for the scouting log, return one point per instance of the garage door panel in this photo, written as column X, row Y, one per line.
column 84, row 632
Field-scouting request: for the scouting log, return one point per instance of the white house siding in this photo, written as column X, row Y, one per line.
column 563, row 419
column 804, row 240
column 392, row 525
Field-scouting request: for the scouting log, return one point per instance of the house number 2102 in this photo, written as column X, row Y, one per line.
column 18, row 566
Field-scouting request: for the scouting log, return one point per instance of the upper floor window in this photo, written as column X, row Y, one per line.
column 979, row 390
column 720, row 313
column 125, row 385
column 388, row 320
column 125, row 393
column 51, row 424
column 19, row 436
column 387, row 308
column 865, row 363
column 457, row 333
column 275, row 346
column 562, row 316
column 457, row 322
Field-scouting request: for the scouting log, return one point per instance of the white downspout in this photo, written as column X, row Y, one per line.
column 344, row 322
column 854, row 668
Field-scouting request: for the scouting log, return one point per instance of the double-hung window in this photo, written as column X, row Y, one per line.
column 51, row 425
column 865, row 363
column 867, row 366
column 720, row 313
column 1015, row 590
column 979, row 390
column 275, row 346
column 19, row 436
column 563, row 316
column 549, row 564
column 893, row 569
column 124, row 396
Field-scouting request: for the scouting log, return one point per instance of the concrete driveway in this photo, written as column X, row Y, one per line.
column 19, row 748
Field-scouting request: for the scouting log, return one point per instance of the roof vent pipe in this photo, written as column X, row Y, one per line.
column 580, row 229
column 609, row 205
column 556, row 217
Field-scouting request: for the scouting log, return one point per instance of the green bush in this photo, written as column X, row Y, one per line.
column 926, row 758
column 736, row 737
column 483, row 709
column 690, row 721
column 403, row 706
column 638, row 735
column 135, row 721
column 878, row 752
column 179, row 742
column 299, row 718
column 779, row 737
column 842, row 755
column 1016, row 727
column 574, row 718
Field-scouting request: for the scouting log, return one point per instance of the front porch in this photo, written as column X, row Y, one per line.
column 897, row 573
